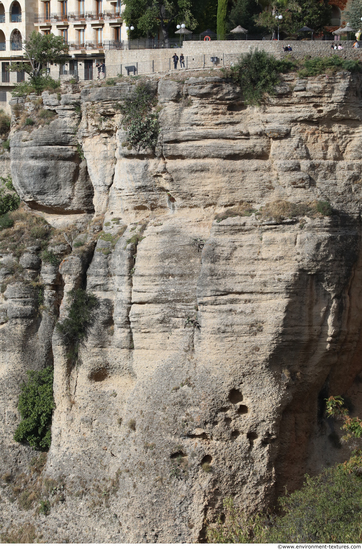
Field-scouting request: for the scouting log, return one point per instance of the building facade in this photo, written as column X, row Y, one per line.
column 88, row 26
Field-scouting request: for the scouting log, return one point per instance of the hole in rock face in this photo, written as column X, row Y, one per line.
column 206, row 460
column 235, row 434
column 228, row 421
column 252, row 436
column 235, row 396
column 99, row 375
column 236, row 107
column 178, row 454
column 243, row 409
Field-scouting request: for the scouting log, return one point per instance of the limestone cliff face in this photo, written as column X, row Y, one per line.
column 220, row 329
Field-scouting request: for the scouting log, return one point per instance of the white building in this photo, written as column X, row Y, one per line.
column 88, row 26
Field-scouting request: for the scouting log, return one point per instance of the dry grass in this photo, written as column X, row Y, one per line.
column 284, row 210
column 24, row 534
column 242, row 209
column 27, row 228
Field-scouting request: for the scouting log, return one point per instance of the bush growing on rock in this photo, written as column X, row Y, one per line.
column 8, row 201
column 139, row 120
column 74, row 328
column 327, row 509
column 258, row 73
column 36, row 406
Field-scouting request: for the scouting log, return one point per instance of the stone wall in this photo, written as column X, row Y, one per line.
column 198, row 54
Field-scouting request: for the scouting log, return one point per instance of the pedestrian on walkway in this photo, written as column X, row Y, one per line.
column 175, row 60
column 182, row 61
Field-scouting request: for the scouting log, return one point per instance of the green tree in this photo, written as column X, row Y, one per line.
column 205, row 14
column 352, row 426
column 313, row 14
column 40, row 50
column 150, row 15
column 354, row 14
column 222, row 6
column 296, row 14
column 242, row 13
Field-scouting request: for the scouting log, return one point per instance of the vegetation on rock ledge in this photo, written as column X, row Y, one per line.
column 139, row 120
column 258, row 73
column 36, row 405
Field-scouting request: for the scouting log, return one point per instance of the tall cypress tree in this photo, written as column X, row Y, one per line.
column 221, row 18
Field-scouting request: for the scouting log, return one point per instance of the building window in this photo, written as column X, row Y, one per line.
column 15, row 13
column 20, row 76
column 88, row 69
column 335, row 16
column 73, row 67
column 5, row 74
column 81, row 37
column 81, row 8
column 64, row 34
column 16, row 42
column 2, row 96
column 2, row 13
column 64, row 9
column 99, row 5
column 46, row 10
column 99, row 37
column 2, row 42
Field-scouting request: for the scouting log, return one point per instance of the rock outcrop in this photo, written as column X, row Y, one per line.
column 229, row 300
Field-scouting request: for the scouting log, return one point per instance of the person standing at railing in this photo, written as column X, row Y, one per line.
column 182, row 61
column 175, row 60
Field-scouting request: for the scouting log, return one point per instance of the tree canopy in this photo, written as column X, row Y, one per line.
column 296, row 14
column 354, row 14
column 40, row 50
column 149, row 15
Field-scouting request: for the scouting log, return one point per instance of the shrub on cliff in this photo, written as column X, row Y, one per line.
column 320, row 65
column 74, row 328
column 139, row 118
column 258, row 73
column 327, row 509
column 8, row 201
column 36, row 406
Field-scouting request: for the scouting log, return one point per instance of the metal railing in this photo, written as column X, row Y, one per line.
column 87, row 16
column 2, row 18
column 15, row 18
column 114, row 45
column 2, row 46
column 86, row 45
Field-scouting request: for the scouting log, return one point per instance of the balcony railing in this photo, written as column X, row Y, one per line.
column 113, row 45
column 15, row 17
column 87, row 45
column 2, row 46
column 42, row 19
column 15, row 46
column 88, row 16
column 2, row 18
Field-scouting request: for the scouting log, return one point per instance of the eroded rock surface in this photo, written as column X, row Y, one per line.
column 220, row 329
